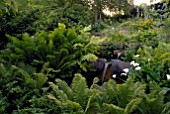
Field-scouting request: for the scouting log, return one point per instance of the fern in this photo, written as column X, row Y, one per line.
column 91, row 102
column 111, row 108
column 3, row 71
column 126, row 98
column 132, row 105
column 41, row 79
column 27, row 77
column 52, row 97
column 166, row 108
column 65, row 88
column 59, row 93
column 63, row 48
column 70, row 107
column 80, row 88
column 154, row 101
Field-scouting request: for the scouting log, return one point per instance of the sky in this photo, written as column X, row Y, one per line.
column 138, row 2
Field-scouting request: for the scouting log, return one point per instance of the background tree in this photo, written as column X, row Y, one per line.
column 97, row 6
column 8, row 6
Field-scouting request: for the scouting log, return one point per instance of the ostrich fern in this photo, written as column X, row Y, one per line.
column 111, row 98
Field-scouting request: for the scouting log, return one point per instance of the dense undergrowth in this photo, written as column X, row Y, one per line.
column 42, row 61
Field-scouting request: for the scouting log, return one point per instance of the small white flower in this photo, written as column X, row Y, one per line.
column 123, row 74
column 138, row 68
column 137, row 55
column 126, row 70
column 114, row 75
column 149, row 60
column 131, row 63
column 136, row 64
column 168, row 76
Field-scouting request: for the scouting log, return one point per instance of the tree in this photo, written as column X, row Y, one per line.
column 8, row 6
column 97, row 6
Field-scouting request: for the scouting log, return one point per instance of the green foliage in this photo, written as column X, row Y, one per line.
column 37, row 15
column 154, row 102
column 131, row 35
column 8, row 7
column 164, row 35
column 62, row 48
column 17, row 87
column 124, row 98
column 154, row 64
column 127, row 98
column 3, row 103
column 28, row 65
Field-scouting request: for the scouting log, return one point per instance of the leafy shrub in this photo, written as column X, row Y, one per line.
column 62, row 48
column 154, row 64
column 38, row 15
column 17, row 87
column 131, row 35
column 143, row 25
column 35, row 16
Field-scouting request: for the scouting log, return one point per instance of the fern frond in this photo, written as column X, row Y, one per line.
column 71, row 107
column 2, row 71
column 95, row 80
column 78, row 45
column 71, row 34
column 59, row 93
column 166, row 109
column 165, row 55
column 125, row 92
column 27, row 77
column 40, row 79
column 113, row 109
column 65, row 88
column 132, row 105
column 90, row 100
column 52, row 97
column 139, row 89
column 110, row 91
column 80, row 88
column 89, row 57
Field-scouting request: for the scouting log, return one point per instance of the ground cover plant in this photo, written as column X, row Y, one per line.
column 126, row 98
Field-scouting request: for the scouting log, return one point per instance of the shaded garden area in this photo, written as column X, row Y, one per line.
column 68, row 57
